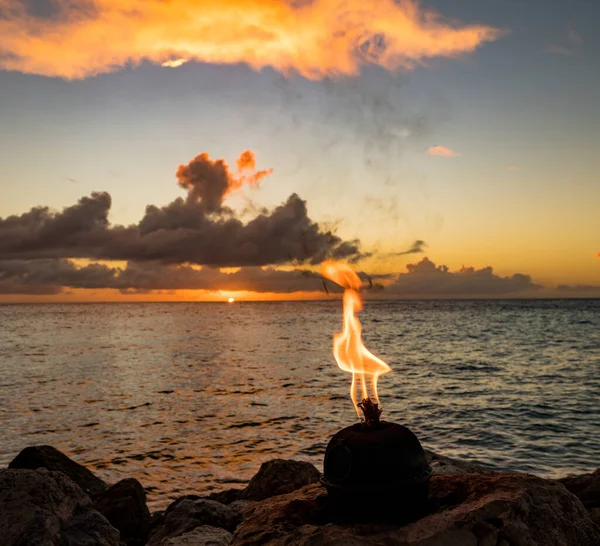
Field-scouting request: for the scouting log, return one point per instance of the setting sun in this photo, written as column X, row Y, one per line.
column 230, row 300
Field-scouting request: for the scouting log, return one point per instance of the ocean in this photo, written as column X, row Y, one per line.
column 193, row 397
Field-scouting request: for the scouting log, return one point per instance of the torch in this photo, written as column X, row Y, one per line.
column 372, row 469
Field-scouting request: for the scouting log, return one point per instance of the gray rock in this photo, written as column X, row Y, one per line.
column 45, row 508
column 201, row 536
column 50, row 458
column 124, row 506
column 278, row 477
column 465, row 510
column 185, row 515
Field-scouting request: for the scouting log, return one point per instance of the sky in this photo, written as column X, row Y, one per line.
column 207, row 149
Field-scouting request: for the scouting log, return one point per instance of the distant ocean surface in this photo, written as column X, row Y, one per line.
column 192, row 397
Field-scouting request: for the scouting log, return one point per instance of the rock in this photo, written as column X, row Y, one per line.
column 446, row 465
column 50, row 458
column 124, row 506
column 226, row 497
column 156, row 520
column 201, row 536
column 183, row 516
column 45, row 508
column 586, row 487
column 465, row 510
column 278, row 477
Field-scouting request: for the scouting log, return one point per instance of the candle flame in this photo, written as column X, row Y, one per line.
column 348, row 349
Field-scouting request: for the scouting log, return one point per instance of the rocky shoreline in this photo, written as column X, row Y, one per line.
column 47, row 499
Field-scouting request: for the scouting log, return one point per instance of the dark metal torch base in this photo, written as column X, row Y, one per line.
column 377, row 472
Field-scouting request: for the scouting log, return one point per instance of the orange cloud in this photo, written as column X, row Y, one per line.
column 315, row 39
column 442, row 151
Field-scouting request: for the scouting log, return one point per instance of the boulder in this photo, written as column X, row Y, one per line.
column 45, row 508
column 124, row 506
column 586, row 487
column 278, row 477
column 226, row 497
column 464, row 510
column 201, row 536
column 50, row 458
column 183, row 516
column 447, row 465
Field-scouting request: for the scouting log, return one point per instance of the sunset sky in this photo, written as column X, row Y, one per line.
column 425, row 143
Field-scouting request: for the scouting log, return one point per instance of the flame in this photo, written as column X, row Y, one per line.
column 348, row 349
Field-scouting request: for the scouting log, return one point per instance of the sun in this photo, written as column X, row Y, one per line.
column 230, row 300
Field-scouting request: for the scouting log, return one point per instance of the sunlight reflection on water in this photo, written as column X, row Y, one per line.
column 193, row 397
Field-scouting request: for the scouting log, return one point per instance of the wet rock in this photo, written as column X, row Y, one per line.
column 50, row 458
column 465, row 510
column 185, row 515
column 586, row 487
column 447, row 465
column 278, row 477
column 124, row 506
column 201, row 536
column 45, row 508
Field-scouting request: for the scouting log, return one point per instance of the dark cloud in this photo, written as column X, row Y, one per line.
column 582, row 289
column 209, row 181
column 198, row 229
column 417, row 247
column 52, row 276
column 49, row 276
column 425, row 279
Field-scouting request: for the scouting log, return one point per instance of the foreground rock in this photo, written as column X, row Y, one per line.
column 45, row 508
column 446, row 465
column 186, row 515
column 587, row 488
column 50, row 458
column 278, row 477
column 201, row 536
column 124, row 506
column 465, row 510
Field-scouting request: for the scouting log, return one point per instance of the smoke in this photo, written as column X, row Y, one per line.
column 316, row 39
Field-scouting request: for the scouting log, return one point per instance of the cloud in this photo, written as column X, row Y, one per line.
column 175, row 63
column 513, row 168
column 417, row 247
column 197, row 229
column 572, row 42
column 317, row 39
column 209, row 182
column 442, row 151
column 579, row 289
column 53, row 276
column 425, row 279
column 49, row 276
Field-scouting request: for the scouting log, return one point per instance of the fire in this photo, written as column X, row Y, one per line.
column 348, row 349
